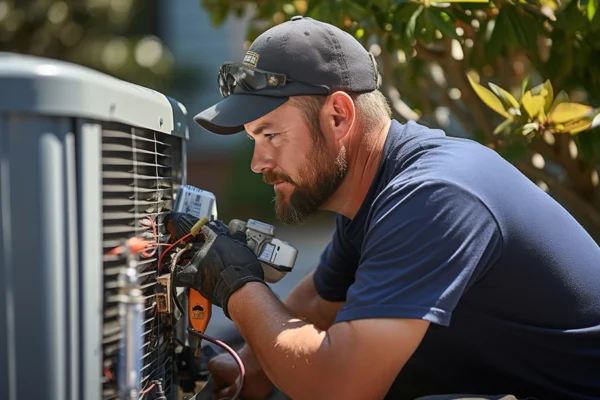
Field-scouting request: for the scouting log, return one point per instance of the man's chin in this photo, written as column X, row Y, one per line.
column 289, row 215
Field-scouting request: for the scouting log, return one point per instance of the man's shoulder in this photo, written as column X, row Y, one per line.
column 417, row 152
column 426, row 158
column 412, row 194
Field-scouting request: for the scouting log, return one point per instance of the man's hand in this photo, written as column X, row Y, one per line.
column 224, row 372
column 222, row 265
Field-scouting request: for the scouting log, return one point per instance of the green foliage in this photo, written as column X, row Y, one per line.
column 109, row 36
column 539, row 59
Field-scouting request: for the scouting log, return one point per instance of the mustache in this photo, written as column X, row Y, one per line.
column 271, row 177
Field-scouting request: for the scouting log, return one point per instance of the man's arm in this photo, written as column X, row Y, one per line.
column 354, row 356
column 304, row 302
column 335, row 274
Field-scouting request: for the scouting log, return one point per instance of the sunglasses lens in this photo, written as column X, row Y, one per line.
column 223, row 86
column 254, row 80
column 241, row 79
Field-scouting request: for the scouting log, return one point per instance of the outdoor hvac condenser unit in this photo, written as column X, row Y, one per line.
column 84, row 160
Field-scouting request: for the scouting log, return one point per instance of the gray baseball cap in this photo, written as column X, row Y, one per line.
column 299, row 57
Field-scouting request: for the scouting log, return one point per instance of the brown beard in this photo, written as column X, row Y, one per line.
column 320, row 177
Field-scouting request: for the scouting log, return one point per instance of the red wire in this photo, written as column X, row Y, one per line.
column 149, row 388
column 233, row 353
column 170, row 247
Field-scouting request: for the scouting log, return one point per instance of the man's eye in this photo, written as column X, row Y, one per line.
column 270, row 136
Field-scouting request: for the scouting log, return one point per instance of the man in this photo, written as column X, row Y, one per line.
column 448, row 272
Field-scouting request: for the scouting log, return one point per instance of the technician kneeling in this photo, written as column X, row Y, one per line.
column 449, row 271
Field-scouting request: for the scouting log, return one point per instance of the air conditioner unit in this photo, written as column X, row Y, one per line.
column 85, row 158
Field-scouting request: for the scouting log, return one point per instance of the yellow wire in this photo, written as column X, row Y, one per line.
column 198, row 225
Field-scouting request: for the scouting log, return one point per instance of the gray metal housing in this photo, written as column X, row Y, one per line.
column 51, row 269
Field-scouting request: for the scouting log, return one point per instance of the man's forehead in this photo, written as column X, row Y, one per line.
column 272, row 120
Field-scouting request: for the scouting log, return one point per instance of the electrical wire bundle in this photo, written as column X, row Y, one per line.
column 184, row 228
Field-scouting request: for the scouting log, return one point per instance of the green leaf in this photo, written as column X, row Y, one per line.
column 506, row 124
column 444, row 23
column 322, row 11
column 405, row 11
column 505, row 97
column 498, row 37
column 524, row 27
column 460, row 1
column 355, row 10
column 524, row 85
column 592, row 7
column 488, row 98
column 595, row 23
column 380, row 4
column 412, row 23
column 429, row 34
column 561, row 97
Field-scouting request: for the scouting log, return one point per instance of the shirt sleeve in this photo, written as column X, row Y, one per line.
column 426, row 243
column 337, row 265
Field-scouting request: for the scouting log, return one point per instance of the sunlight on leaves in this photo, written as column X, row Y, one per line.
column 538, row 112
column 488, row 97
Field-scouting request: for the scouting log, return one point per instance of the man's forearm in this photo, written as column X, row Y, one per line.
column 290, row 350
column 304, row 302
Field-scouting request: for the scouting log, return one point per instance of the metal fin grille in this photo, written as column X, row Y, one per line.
column 137, row 183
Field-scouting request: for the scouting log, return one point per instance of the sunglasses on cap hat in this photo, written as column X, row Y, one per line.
column 240, row 78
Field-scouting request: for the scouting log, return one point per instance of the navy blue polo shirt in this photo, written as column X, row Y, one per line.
column 451, row 233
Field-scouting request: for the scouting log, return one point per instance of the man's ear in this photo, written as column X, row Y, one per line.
column 340, row 114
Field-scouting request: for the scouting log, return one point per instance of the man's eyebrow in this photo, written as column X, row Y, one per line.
column 261, row 127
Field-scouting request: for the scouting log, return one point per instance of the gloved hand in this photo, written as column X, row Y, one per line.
column 222, row 265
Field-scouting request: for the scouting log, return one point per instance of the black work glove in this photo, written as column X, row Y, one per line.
column 222, row 265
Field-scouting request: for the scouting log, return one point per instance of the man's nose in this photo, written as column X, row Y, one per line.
column 261, row 160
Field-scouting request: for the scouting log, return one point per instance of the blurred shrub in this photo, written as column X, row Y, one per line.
column 107, row 35
column 522, row 77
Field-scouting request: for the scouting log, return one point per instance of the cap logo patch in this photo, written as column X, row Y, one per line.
column 251, row 59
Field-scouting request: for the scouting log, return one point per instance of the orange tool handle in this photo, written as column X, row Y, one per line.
column 199, row 311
